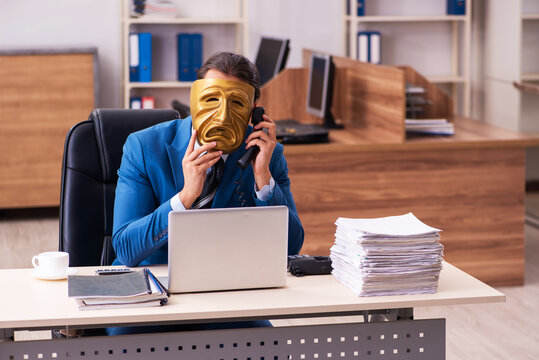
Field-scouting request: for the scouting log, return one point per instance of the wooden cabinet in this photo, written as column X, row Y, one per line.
column 42, row 95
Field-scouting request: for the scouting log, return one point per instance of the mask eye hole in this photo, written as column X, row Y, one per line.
column 212, row 99
column 237, row 102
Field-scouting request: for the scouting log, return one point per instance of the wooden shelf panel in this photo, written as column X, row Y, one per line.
column 530, row 77
column 446, row 79
column 164, row 21
column 159, row 84
column 530, row 16
column 406, row 18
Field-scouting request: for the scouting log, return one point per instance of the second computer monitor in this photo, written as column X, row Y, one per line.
column 271, row 57
column 320, row 89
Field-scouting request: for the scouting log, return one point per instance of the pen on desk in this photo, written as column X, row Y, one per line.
column 158, row 282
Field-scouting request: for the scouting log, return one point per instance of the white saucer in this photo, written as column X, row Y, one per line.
column 38, row 275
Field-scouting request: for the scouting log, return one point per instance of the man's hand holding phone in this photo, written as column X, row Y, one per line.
column 264, row 136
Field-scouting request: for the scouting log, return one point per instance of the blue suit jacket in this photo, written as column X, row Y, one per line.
column 151, row 174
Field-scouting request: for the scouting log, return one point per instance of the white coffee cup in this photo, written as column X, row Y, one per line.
column 51, row 263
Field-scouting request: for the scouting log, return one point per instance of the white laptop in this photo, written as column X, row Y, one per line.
column 227, row 249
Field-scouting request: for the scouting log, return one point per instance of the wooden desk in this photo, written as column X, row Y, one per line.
column 33, row 303
column 470, row 185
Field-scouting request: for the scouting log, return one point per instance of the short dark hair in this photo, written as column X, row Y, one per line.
column 233, row 65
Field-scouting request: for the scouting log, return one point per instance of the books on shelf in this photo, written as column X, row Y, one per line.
column 148, row 102
column 369, row 47
column 144, row 102
column 394, row 255
column 136, row 289
column 360, row 7
column 416, row 101
column 456, row 7
column 161, row 9
column 189, row 55
column 137, row 8
column 135, row 103
column 429, row 126
column 155, row 8
column 140, row 57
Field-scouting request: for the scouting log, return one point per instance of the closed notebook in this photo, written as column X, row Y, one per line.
column 139, row 288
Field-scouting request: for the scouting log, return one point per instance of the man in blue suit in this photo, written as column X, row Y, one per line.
column 164, row 167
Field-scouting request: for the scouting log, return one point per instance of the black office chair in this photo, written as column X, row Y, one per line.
column 92, row 156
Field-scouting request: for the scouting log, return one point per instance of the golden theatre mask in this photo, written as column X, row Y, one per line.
column 221, row 110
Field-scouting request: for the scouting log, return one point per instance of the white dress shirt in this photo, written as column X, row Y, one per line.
column 262, row 194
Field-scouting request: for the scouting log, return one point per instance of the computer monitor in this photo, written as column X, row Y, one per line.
column 271, row 57
column 320, row 89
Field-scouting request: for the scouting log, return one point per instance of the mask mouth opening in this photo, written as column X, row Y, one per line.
column 217, row 131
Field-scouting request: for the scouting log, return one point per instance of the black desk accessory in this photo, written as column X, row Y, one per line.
column 292, row 132
column 300, row 265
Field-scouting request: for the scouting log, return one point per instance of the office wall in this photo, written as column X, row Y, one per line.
column 54, row 24
column 314, row 24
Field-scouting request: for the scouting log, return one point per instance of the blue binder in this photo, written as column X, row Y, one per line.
column 145, row 57
column 375, row 47
column 456, row 7
column 135, row 103
column 196, row 55
column 369, row 47
column 363, row 47
column 360, row 7
column 184, row 60
column 134, row 74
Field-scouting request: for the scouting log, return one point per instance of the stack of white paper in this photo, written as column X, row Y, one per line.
column 430, row 126
column 394, row 255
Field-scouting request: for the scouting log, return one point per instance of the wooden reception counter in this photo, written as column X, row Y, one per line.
column 471, row 185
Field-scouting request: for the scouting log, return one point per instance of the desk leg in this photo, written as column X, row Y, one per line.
column 6, row 334
column 388, row 315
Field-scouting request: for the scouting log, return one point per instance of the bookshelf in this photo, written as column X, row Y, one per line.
column 457, row 78
column 224, row 28
column 530, row 25
column 511, row 54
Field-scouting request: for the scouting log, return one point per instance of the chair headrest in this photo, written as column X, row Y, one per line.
column 112, row 126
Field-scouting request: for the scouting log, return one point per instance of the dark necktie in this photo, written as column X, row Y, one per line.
column 205, row 200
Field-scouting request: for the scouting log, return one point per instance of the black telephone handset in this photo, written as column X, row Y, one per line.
column 252, row 151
